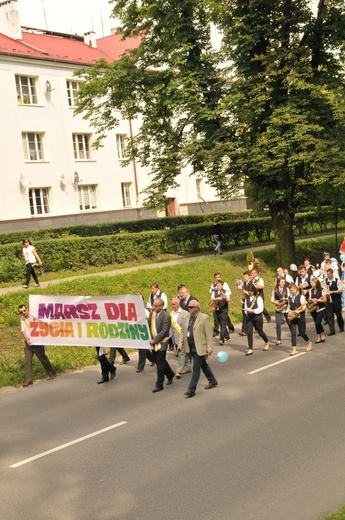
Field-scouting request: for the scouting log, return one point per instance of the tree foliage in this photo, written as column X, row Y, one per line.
column 266, row 105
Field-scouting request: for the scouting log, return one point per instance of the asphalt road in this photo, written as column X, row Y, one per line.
column 263, row 445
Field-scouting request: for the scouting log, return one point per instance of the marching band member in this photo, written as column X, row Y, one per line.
column 254, row 307
column 334, row 289
column 222, row 298
column 296, row 318
column 317, row 308
column 303, row 281
column 242, row 285
column 258, row 282
column 280, row 299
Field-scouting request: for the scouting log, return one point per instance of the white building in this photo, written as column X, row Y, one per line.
column 50, row 174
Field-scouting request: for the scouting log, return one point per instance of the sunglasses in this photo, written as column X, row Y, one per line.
column 191, row 306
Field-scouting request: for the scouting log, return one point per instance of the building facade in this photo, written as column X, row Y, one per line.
column 50, row 173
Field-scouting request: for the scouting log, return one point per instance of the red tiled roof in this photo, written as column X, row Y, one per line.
column 64, row 49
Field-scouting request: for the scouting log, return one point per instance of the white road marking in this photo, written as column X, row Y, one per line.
column 290, row 358
column 81, row 439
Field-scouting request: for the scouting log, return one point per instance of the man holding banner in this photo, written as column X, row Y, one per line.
column 160, row 322
column 30, row 350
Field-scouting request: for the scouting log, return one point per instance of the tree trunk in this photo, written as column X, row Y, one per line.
column 282, row 223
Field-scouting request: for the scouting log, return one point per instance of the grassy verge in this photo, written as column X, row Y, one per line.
column 338, row 515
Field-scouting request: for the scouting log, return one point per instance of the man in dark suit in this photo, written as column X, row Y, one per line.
column 185, row 297
column 160, row 322
column 197, row 338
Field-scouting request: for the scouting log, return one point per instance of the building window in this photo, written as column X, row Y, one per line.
column 126, row 194
column 33, row 146
column 39, row 201
column 121, row 145
column 81, row 147
column 87, row 197
column 26, row 90
column 72, row 92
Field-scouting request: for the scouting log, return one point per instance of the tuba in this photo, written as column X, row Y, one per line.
column 281, row 306
column 295, row 314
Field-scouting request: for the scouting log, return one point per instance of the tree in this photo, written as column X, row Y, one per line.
column 267, row 106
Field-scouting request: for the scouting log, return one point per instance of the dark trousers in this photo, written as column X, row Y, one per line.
column 334, row 307
column 229, row 323
column 256, row 323
column 163, row 367
column 30, row 271
column 36, row 350
column 106, row 367
column 300, row 325
column 144, row 354
column 318, row 317
column 200, row 363
column 222, row 317
column 121, row 351
column 244, row 322
column 279, row 321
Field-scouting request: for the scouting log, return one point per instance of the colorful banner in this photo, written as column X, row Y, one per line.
column 112, row 321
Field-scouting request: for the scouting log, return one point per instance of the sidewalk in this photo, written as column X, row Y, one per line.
column 125, row 270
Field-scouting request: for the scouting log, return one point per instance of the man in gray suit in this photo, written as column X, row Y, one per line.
column 197, row 338
column 160, row 329
column 177, row 315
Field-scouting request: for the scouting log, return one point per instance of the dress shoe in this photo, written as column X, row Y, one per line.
column 27, row 383
column 124, row 361
column 169, row 382
column 309, row 345
column 52, row 376
column 139, row 370
column 113, row 374
column 249, row 352
column 278, row 343
column 211, row 385
column 157, row 389
column 331, row 334
column 189, row 394
column 266, row 347
column 221, row 342
column 103, row 380
column 178, row 375
column 242, row 334
column 185, row 372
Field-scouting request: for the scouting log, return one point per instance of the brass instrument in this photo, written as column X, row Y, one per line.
column 213, row 306
column 254, row 263
column 282, row 305
column 312, row 306
column 295, row 314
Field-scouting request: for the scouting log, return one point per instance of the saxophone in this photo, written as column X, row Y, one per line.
column 281, row 306
column 312, row 306
column 295, row 314
column 213, row 306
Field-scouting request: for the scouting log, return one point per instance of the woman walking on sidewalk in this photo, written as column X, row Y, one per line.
column 31, row 257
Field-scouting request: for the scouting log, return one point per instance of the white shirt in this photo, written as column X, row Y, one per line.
column 29, row 256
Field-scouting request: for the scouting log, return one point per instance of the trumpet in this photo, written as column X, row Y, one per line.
column 295, row 314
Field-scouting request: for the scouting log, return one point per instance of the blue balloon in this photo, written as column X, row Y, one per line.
column 222, row 356
column 342, row 257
